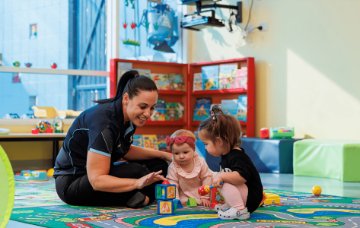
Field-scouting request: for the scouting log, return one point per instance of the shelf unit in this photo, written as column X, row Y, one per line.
column 248, row 127
column 155, row 127
column 189, row 96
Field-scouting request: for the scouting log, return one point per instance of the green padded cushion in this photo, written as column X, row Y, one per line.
column 7, row 189
column 327, row 158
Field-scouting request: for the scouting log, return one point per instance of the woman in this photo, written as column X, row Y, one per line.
column 97, row 165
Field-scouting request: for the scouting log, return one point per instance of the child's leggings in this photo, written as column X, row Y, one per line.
column 235, row 196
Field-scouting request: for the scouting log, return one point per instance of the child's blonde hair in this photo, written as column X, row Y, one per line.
column 181, row 136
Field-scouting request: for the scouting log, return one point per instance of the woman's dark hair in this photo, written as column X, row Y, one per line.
column 131, row 82
column 222, row 125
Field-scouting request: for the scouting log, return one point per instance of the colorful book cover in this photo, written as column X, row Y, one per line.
column 226, row 74
column 229, row 106
column 150, row 141
column 160, row 111
column 242, row 108
column 161, row 140
column 138, row 140
column 202, row 109
column 210, row 76
column 174, row 111
column 197, row 82
column 240, row 79
column 161, row 81
column 176, row 82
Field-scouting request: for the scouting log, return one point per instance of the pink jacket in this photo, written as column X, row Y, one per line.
column 188, row 183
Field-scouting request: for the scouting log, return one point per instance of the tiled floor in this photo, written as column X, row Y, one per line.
column 285, row 182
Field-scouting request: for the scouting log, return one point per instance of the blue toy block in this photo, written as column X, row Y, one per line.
column 165, row 191
column 165, row 207
column 177, row 203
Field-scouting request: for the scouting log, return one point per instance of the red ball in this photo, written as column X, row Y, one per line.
column 165, row 182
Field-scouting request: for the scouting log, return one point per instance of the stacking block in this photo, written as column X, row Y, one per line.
column 327, row 158
column 165, row 191
column 270, row 155
column 166, row 207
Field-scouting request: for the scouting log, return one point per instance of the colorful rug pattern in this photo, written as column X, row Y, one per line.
column 37, row 203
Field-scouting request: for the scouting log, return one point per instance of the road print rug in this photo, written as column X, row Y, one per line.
column 37, row 203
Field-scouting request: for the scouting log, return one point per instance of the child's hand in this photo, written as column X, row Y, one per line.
column 217, row 180
column 205, row 202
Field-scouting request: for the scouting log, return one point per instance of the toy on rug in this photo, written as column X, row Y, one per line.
column 215, row 197
column 165, row 195
column 316, row 190
column 32, row 175
column 271, row 199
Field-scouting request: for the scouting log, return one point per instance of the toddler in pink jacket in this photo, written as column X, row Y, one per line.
column 188, row 171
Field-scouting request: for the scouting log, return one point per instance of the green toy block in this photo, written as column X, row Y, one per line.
column 191, row 202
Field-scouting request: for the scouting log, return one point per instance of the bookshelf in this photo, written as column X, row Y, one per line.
column 187, row 96
column 217, row 95
column 161, row 127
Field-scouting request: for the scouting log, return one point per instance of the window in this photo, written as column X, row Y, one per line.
column 38, row 48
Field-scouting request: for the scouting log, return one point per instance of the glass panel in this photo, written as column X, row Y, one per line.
column 150, row 30
column 19, row 92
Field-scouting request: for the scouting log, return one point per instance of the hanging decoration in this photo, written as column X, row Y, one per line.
column 163, row 33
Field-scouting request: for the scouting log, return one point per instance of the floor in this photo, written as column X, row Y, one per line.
column 285, row 182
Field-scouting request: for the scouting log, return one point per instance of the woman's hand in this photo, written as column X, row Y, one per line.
column 205, row 202
column 149, row 179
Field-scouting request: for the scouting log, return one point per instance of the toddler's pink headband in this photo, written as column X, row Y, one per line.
column 178, row 140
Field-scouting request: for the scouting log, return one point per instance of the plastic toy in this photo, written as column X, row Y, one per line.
column 165, row 194
column 28, row 65
column 44, row 127
column 215, row 197
column 7, row 189
column 16, row 64
column 53, row 66
column 191, row 202
column 281, row 133
column 37, row 175
column 58, row 125
column 316, row 190
column 50, row 172
column 271, row 199
column 264, row 133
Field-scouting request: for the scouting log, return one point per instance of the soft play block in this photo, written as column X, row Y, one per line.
column 327, row 158
column 270, row 155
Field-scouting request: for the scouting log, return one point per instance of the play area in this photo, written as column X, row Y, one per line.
column 37, row 203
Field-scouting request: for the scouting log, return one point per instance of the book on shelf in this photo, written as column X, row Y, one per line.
column 197, row 82
column 229, row 106
column 242, row 108
column 174, row 111
column 176, row 82
column 150, row 141
column 210, row 76
column 161, row 140
column 227, row 74
column 161, row 80
column 240, row 79
column 138, row 140
column 202, row 109
column 160, row 111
